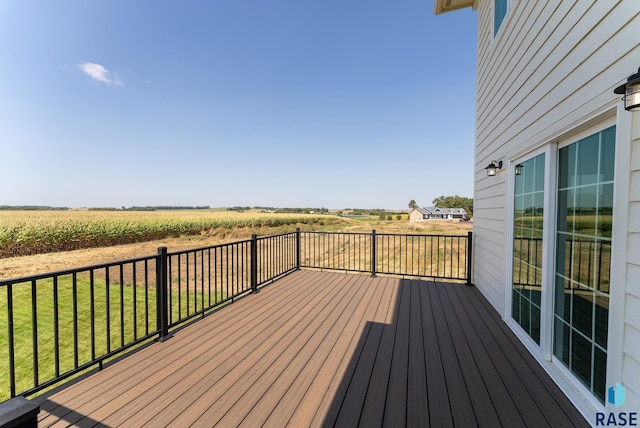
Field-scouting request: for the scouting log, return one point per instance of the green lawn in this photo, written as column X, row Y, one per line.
column 138, row 319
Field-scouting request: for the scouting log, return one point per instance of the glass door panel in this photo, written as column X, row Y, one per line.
column 583, row 257
column 527, row 245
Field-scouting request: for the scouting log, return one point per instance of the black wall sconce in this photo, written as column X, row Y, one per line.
column 519, row 169
column 493, row 167
column 631, row 92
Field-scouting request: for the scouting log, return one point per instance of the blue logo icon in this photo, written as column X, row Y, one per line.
column 616, row 395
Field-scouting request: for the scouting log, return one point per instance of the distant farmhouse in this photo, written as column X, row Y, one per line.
column 432, row 213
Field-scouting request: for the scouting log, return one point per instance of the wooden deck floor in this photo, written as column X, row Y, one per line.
column 327, row 349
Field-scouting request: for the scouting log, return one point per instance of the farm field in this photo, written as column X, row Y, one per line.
column 35, row 232
column 81, row 238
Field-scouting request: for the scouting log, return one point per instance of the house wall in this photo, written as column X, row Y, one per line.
column 414, row 216
column 548, row 75
column 550, row 70
column 631, row 336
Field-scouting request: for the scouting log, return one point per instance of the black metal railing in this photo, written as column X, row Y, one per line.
column 337, row 251
column 431, row 256
column 63, row 323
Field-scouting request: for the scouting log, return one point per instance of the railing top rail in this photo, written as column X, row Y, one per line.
column 335, row 233
column 210, row 247
column 387, row 234
column 421, row 235
column 36, row 277
column 262, row 238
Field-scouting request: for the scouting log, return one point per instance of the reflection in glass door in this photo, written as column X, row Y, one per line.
column 527, row 245
column 583, row 257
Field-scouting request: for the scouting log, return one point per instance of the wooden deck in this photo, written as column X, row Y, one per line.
column 327, row 349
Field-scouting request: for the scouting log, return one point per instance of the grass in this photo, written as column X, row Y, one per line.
column 112, row 330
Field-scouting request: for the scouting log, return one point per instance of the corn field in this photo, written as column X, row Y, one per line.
column 24, row 232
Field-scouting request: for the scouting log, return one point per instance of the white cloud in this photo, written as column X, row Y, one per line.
column 100, row 74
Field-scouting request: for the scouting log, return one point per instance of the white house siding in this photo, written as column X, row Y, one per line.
column 547, row 75
column 531, row 89
column 631, row 344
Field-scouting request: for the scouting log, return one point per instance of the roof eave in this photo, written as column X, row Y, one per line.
column 443, row 6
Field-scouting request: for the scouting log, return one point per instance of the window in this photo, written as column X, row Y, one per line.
column 499, row 12
column 528, row 213
column 583, row 257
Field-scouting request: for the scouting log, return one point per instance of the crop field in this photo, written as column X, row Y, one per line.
column 36, row 232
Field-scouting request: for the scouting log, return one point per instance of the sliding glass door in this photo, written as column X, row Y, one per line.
column 583, row 257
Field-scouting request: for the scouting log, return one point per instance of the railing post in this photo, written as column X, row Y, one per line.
column 298, row 248
column 254, row 263
column 10, row 336
column 469, row 256
column 162, row 302
column 373, row 253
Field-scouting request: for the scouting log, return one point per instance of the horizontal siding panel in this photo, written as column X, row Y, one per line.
column 544, row 51
column 492, row 250
column 544, row 44
column 491, row 213
column 632, row 309
column 572, row 104
column 494, row 67
column 635, row 153
column 634, row 217
column 488, row 285
column 633, row 251
column 573, row 53
column 563, row 90
column 487, row 277
column 484, row 38
column 632, row 342
column 489, row 255
column 633, row 279
column 486, row 190
column 530, row 37
column 631, row 379
column 634, row 186
column 489, row 203
column 489, row 230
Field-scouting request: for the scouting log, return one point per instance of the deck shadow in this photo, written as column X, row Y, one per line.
column 446, row 360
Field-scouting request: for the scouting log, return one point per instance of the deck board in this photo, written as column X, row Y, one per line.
column 462, row 410
column 327, row 349
column 534, row 378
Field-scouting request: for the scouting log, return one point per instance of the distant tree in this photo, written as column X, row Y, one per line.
column 389, row 217
column 454, row 202
column 413, row 204
column 399, row 217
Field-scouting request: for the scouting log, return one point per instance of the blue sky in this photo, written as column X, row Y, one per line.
column 285, row 103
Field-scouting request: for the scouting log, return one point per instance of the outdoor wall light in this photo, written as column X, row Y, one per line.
column 493, row 167
column 631, row 92
column 519, row 169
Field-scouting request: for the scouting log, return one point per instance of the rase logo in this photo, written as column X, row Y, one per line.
column 615, row 396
